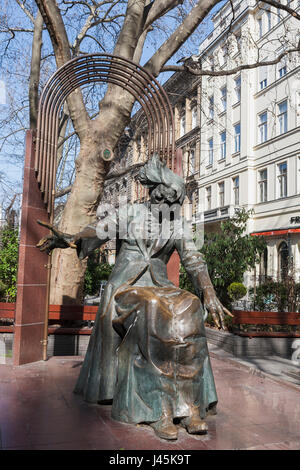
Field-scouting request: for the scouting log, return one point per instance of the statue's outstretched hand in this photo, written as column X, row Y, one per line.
column 58, row 239
column 215, row 308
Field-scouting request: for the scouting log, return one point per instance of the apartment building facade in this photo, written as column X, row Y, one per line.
column 249, row 134
column 239, row 133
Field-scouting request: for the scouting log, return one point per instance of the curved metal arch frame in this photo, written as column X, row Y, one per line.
column 105, row 68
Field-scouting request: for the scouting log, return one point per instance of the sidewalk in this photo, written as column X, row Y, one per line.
column 274, row 367
column 259, row 408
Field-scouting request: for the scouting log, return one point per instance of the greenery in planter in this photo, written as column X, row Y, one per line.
column 236, row 290
column 95, row 273
column 278, row 296
column 184, row 280
column 230, row 253
column 9, row 248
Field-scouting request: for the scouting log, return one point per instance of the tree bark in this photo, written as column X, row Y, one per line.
column 67, row 271
column 35, row 68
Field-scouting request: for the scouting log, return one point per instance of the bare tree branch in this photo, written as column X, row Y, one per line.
column 63, row 191
column 180, row 35
column 26, row 11
column 217, row 73
column 56, row 28
column 158, row 8
column 284, row 7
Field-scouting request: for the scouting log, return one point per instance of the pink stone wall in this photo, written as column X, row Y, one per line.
column 32, row 273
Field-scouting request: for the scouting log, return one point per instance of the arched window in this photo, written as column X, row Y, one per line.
column 283, row 260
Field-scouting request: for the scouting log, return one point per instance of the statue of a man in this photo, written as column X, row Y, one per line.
column 148, row 350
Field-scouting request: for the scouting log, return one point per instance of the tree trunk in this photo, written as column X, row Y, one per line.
column 104, row 132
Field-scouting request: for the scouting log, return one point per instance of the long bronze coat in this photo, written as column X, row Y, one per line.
column 148, row 342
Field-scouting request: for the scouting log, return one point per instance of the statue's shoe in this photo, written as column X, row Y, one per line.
column 194, row 425
column 165, row 429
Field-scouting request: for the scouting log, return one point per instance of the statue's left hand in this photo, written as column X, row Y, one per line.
column 215, row 308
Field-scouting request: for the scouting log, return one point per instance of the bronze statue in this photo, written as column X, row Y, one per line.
column 148, row 350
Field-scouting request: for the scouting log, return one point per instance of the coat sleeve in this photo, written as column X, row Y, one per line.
column 193, row 262
column 95, row 234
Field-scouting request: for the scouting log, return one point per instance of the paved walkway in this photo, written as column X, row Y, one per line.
column 38, row 410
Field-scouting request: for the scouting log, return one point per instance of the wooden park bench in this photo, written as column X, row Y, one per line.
column 57, row 314
column 242, row 317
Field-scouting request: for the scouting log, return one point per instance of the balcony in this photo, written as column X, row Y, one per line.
column 220, row 213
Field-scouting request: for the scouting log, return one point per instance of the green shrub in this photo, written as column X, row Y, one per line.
column 236, row 290
column 94, row 274
column 9, row 249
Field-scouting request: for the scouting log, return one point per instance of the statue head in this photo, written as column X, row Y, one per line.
column 164, row 185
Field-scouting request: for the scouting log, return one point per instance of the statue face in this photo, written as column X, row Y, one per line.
column 161, row 194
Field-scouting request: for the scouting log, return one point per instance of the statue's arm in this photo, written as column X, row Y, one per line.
column 85, row 241
column 195, row 265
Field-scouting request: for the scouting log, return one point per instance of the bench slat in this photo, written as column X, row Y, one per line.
column 266, row 318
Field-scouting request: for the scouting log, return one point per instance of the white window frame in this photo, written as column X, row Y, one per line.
column 182, row 125
column 237, row 88
column 221, row 193
column 208, row 197
column 260, row 27
column 282, row 117
column 192, row 161
column 194, row 116
column 282, row 189
column 237, row 137
column 269, row 20
column 223, row 145
column 224, row 98
column 263, row 127
column 211, row 110
column 263, row 185
column 236, row 190
column 210, row 151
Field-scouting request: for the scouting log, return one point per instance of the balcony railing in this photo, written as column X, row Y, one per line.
column 219, row 213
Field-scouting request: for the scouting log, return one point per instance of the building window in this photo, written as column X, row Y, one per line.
column 263, row 75
column 282, row 117
column 223, row 145
column 282, row 71
column 279, row 13
column 237, row 137
column 237, row 89
column 211, row 111
column 263, row 127
column 269, row 20
column 225, row 53
column 282, row 179
column 182, row 125
column 192, row 162
column 283, row 261
column 208, row 198
column 211, row 151
column 263, row 185
column 236, row 190
column 221, row 194
column 224, row 98
column 263, row 83
column 260, row 27
column 194, row 117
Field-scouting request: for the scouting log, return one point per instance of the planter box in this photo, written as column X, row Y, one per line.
column 242, row 346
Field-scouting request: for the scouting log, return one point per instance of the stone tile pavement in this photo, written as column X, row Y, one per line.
column 38, row 411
